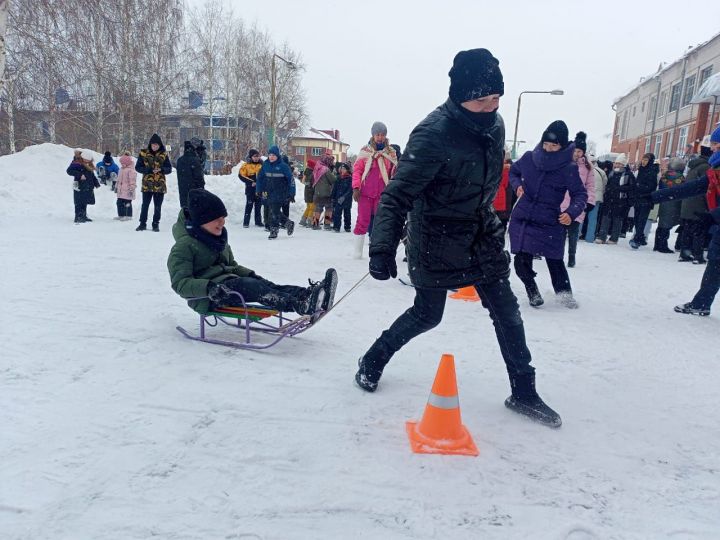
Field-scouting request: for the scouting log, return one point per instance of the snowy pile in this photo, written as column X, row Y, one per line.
column 115, row 426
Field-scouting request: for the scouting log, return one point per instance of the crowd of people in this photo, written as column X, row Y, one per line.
column 451, row 198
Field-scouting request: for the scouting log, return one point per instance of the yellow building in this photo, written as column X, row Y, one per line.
column 313, row 143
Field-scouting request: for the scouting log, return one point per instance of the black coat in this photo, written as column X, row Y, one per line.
column 646, row 183
column 342, row 190
column 445, row 185
column 619, row 190
column 189, row 174
column 86, row 183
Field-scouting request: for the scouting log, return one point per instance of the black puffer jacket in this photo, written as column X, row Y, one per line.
column 445, row 185
column 189, row 174
column 646, row 183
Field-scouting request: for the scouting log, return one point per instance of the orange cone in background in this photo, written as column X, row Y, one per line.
column 469, row 294
column 441, row 431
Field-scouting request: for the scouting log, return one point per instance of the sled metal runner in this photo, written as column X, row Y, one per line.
column 256, row 321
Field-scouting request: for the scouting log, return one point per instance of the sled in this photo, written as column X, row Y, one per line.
column 254, row 321
column 262, row 327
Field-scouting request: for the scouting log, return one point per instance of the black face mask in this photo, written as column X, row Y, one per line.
column 481, row 119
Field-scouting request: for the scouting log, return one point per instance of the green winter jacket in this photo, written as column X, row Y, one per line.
column 323, row 188
column 192, row 265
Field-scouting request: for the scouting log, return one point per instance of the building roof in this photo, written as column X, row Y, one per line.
column 664, row 67
column 313, row 133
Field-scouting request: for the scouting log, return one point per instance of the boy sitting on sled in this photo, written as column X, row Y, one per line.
column 204, row 272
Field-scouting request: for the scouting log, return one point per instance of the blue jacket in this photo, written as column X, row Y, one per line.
column 544, row 177
column 276, row 180
column 112, row 167
column 691, row 189
column 342, row 190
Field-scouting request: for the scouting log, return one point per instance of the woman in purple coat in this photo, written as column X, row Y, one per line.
column 541, row 178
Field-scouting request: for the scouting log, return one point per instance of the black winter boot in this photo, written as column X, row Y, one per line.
column 372, row 364
column 534, row 296
column 309, row 302
column 141, row 227
column 273, row 234
column 525, row 400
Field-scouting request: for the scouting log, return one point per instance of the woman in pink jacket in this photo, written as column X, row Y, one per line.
column 126, row 184
column 374, row 168
column 587, row 175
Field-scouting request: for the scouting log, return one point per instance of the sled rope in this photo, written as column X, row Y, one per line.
column 357, row 284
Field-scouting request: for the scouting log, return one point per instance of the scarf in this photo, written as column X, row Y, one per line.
column 215, row 243
column 384, row 156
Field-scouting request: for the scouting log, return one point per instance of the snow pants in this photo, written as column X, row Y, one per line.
column 427, row 312
column 277, row 216
column 558, row 273
column 709, row 286
column 257, row 289
column 367, row 208
column 157, row 200
column 252, row 202
column 340, row 211
column 124, row 207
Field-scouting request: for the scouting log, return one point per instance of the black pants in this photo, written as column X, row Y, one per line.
column 285, row 209
column 80, row 211
column 266, row 213
column 642, row 211
column 612, row 222
column 662, row 235
column 277, row 217
column 157, row 200
column 341, row 211
column 692, row 239
column 252, row 202
column 573, row 233
column 709, row 286
column 558, row 273
column 427, row 312
column 124, row 207
column 282, row 297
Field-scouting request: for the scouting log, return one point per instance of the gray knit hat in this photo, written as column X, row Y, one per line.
column 378, row 128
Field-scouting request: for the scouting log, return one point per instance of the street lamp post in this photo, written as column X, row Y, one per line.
column 212, row 150
column 517, row 116
column 273, row 97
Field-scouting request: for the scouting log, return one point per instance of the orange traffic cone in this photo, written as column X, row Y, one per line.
column 441, row 431
column 469, row 294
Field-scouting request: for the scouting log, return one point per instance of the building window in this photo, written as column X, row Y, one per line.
column 668, row 146
column 652, row 108
column 675, row 93
column 647, row 145
column 300, row 151
column 634, row 110
column 658, row 142
column 661, row 105
column 682, row 140
column 317, row 151
column 642, row 107
column 689, row 90
column 705, row 75
column 623, row 131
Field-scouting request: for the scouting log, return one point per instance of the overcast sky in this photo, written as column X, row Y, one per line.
column 388, row 60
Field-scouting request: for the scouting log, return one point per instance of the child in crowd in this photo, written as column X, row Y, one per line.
column 248, row 175
column 84, row 182
column 126, row 184
column 342, row 198
column 309, row 195
column 203, row 269
column 277, row 185
column 323, row 180
column 108, row 170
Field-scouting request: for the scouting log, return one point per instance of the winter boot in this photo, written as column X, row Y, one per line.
column 567, row 299
column 688, row 309
column 328, row 227
column 372, row 364
column 141, row 227
column 273, row 234
column 571, row 260
column 290, row 227
column 303, row 222
column 534, row 296
column 156, row 227
column 525, row 400
column 359, row 243
column 685, row 255
column 309, row 302
column 330, row 286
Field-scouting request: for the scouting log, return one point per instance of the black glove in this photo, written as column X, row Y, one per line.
column 706, row 219
column 218, row 293
column 589, row 208
column 383, row 266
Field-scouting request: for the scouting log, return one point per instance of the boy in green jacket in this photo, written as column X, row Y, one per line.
column 204, row 272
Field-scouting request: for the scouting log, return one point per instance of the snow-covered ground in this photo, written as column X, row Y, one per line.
column 114, row 426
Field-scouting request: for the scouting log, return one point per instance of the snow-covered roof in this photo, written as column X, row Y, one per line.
column 313, row 133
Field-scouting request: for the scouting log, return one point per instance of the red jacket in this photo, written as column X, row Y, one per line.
column 502, row 199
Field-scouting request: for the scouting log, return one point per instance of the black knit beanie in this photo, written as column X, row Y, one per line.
column 475, row 74
column 252, row 152
column 107, row 157
column 581, row 141
column 557, row 132
column 204, row 206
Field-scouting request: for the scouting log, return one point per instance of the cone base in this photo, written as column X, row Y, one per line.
column 423, row 445
column 468, row 294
